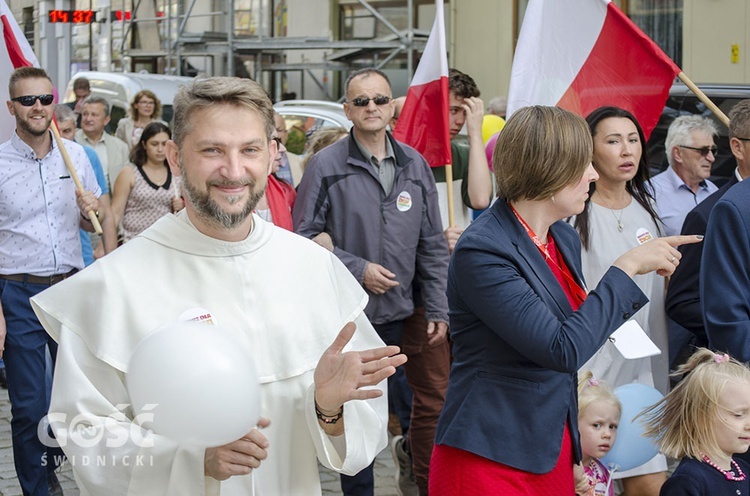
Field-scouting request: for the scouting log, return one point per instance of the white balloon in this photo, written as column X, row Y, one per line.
column 194, row 383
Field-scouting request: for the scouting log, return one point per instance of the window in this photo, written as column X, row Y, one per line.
column 661, row 20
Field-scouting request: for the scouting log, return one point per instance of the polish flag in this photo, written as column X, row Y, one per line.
column 584, row 54
column 15, row 51
column 424, row 122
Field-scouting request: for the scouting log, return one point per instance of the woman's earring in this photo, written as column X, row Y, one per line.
column 553, row 198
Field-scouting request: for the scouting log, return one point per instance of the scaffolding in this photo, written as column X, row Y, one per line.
column 160, row 30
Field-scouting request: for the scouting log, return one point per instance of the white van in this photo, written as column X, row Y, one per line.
column 120, row 88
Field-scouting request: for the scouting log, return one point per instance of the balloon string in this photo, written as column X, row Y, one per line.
column 612, row 469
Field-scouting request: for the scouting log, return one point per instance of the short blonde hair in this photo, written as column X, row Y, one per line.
column 682, row 423
column 591, row 390
column 322, row 138
column 540, row 151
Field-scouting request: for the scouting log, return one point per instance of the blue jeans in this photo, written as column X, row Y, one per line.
column 26, row 368
column 399, row 398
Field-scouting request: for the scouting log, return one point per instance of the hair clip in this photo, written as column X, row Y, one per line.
column 593, row 382
column 721, row 358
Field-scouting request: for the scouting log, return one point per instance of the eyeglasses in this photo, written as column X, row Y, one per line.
column 704, row 150
column 741, row 139
column 30, row 100
column 277, row 140
column 364, row 102
column 146, row 102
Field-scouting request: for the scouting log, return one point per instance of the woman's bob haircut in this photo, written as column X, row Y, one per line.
column 540, row 151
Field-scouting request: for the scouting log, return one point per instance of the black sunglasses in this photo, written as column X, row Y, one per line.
column 364, row 102
column 30, row 100
column 277, row 140
column 702, row 150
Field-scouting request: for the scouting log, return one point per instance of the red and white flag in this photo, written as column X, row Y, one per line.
column 584, row 54
column 424, row 120
column 15, row 51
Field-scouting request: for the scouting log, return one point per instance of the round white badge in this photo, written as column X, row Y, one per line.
column 197, row 314
column 403, row 203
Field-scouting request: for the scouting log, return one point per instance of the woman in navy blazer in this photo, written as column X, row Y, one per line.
column 519, row 323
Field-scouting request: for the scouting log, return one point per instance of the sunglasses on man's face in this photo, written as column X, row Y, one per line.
column 30, row 100
column 704, row 150
column 364, row 102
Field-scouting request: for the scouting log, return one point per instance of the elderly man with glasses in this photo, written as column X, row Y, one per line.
column 691, row 152
column 39, row 247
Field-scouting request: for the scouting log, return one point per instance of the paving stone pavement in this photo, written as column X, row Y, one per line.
column 384, row 467
column 385, row 477
column 8, row 481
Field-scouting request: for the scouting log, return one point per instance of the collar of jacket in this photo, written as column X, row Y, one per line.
column 565, row 239
column 402, row 159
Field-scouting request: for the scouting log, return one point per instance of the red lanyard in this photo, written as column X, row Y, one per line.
column 542, row 246
column 574, row 288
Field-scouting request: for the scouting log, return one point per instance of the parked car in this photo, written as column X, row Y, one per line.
column 682, row 101
column 312, row 114
column 120, row 88
column 304, row 117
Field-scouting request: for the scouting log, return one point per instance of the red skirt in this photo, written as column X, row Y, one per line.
column 455, row 472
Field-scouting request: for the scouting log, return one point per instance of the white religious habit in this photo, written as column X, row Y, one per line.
column 287, row 294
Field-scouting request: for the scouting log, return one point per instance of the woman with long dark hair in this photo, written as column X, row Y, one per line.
column 620, row 215
column 145, row 190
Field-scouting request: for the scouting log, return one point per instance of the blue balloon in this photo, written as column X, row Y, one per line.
column 631, row 449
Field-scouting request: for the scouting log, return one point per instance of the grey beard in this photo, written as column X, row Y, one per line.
column 211, row 212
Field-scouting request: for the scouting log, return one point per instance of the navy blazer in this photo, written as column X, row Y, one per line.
column 683, row 295
column 725, row 273
column 518, row 344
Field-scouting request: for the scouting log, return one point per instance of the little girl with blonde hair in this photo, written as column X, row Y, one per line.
column 599, row 413
column 705, row 420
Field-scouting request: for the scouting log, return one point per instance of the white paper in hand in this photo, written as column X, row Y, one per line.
column 632, row 342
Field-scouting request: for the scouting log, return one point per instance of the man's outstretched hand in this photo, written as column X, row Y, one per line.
column 341, row 377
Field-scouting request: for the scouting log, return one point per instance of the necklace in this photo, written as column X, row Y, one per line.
column 626, row 201
column 620, row 225
column 728, row 474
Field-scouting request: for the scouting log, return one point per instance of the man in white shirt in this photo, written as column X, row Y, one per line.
column 39, row 246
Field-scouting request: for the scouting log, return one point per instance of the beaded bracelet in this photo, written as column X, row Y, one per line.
column 329, row 419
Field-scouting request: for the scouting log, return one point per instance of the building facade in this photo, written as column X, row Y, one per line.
column 304, row 48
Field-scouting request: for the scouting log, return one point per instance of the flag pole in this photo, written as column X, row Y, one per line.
column 449, row 191
column 73, row 173
column 702, row 97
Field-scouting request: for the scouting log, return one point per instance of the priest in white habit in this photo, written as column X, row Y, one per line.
column 321, row 381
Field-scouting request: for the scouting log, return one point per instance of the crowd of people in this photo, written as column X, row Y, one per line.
column 492, row 332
